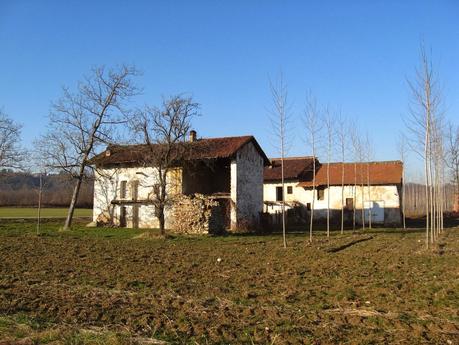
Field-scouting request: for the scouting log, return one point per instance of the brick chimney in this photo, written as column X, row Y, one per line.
column 192, row 136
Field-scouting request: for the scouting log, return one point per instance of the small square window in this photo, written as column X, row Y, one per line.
column 279, row 194
column 289, row 190
column 123, row 185
column 350, row 203
column 134, row 189
column 321, row 194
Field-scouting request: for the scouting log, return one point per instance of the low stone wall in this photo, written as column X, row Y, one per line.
column 196, row 214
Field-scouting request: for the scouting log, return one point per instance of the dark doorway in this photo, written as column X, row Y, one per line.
column 279, row 194
column 135, row 216
column 123, row 216
column 349, row 204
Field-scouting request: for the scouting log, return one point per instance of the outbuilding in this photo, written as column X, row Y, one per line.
column 375, row 187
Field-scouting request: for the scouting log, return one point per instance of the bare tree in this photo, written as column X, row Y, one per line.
column 342, row 139
column 424, row 110
column 438, row 135
column 356, row 150
column 369, row 156
column 452, row 151
column 41, row 187
column 82, row 121
column 360, row 155
column 11, row 154
column 280, row 118
column 164, row 131
column 312, row 115
column 329, row 121
column 402, row 150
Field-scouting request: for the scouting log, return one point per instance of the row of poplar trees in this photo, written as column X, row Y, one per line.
column 426, row 133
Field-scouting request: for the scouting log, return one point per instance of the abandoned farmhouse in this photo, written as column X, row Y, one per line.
column 228, row 183
column 228, row 170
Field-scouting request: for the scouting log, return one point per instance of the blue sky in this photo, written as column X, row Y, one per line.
column 355, row 55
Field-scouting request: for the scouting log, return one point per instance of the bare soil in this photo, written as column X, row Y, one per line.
column 379, row 287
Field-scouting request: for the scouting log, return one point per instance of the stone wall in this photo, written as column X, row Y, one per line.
column 247, row 188
column 196, row 214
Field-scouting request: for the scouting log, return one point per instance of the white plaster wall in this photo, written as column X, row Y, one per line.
column 388, row 194
column 247, row 186
column 299, row 195
column 107, row 188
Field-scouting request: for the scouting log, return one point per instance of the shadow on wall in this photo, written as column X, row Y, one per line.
column 104, row 210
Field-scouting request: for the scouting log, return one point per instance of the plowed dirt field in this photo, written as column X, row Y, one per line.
column 106, row 286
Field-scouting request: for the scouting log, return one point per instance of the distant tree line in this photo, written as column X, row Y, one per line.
column 415, row 200
column 21, row 189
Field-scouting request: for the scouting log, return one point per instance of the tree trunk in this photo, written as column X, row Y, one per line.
column 162, row 203
column 76, row 192
column 283, row 199
column 362, row 186
column 355, row 197
column 369, row 197
column 426, row 171
column 162, row 228
column 403, row 197
column 311, row 221
column 328, row 197
column 342, row 197
column 39, row 204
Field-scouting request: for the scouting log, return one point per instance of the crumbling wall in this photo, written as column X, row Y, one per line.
column 196, row 214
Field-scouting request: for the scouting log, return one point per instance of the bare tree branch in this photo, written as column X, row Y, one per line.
column 11, row 153
column 81, row 122
column 164, row 130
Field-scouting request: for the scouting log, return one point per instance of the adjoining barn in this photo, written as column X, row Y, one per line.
column 227, row 170
column 373, row 186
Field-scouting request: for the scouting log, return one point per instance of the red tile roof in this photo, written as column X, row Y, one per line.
column 381, row 173
column 294, row 168
column 201, row 149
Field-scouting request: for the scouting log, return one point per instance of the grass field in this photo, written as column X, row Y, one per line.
column 29, row 212
column 108, row 286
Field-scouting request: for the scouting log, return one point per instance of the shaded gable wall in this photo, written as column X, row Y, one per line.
column 246, row 187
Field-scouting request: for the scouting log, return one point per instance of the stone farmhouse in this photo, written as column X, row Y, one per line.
column 228, row 170
column 374, row 186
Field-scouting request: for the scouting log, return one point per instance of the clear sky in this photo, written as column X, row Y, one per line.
column 355, row 55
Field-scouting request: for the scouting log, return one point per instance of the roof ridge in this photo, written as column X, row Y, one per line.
column 199, row 139
column 229, row 137
column 370, row 162
column 292, row 158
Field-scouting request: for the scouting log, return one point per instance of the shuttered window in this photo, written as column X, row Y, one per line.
column 134, row 190
column 123, row 185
